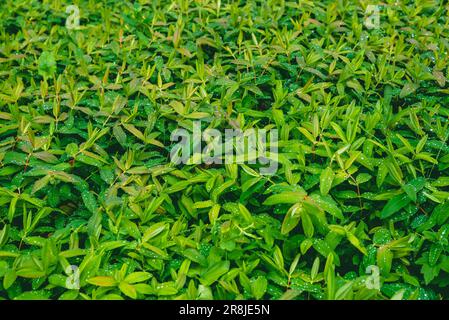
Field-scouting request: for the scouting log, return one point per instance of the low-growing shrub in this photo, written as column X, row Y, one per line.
column 92, row 205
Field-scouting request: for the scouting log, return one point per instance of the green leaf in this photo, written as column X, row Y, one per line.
column 292, row 218
column 89, row 201
column 47, row 64
column 394, row 205
column 434, row 254
column 413, row 187
column 153, row 231
column 195, row 256
column 9, row 278
column 408, row 89
column 136, row 277
column 128, row 289
column 41, row 183
column 245, row 213
column 285, row 197
column 278, row 258
column 12, row 208
column 384, row 260
column 71, row 149
column 34, row 295
column 102, row 281
column 328, row 205
column 259, row 287
column 214, row 272
column 356, row 243
column 326, row 178
column 307, row 224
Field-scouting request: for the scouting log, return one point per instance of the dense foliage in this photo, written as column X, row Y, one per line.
column 87, row 186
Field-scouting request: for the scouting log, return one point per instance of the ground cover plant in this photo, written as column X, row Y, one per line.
column 92, row 207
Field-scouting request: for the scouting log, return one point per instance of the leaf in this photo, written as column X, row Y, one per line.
column 245, row 213
column 166, row 289
column 384, row 259
column 327, row 204
column 218, row 191
column 136, row 277
column 128, row 289
column 12, row 208
column 307, row 225
column 119, row 134
column 41, row 183
column 34, row 295
column 307, row 134
column 131, row 128
column 326, row 178
column 89, row 160
column 71, row 149
column 195, row 256
column 102, row 281
column 329, row 274
column 356, row 243
column 426, row 157
column 259, row 287
column 408, row 89
column 214, row 272
column 315, row 268
column 413, row 187
column 434, row 254
column 89, row 201
column 292, row 218
column 153, row 231
column 278, row 258
column 213, row 213
column 382, row 236
column 285, row 197
column 439, row 77
column 9, row 278
column 4, row 234
column 47, row 64
column 394, row 205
